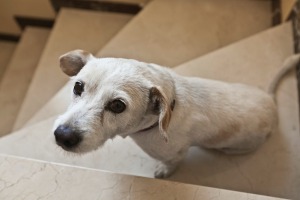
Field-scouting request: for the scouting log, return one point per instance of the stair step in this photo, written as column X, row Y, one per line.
column 55, row 106
column 74, row 29
column 18, row 75
column 35, row 179
column 286, row 8
column 172, row 32
column 6, row 51
column 259, row 72
column 139, row 2
column 176, row 28
column 271, row 170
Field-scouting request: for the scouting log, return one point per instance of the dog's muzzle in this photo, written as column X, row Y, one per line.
column 66, row 137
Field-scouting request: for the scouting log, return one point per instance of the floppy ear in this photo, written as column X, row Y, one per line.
column 72, row 62
column 160, row 105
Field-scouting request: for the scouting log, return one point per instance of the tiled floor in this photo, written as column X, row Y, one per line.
column 6, row 51
column 18, row 75
column 272, row 170
column 74, row 29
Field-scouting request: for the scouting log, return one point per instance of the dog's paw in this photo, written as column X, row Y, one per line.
column 163, row 171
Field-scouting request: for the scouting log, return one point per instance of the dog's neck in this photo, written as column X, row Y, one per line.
column 156, row 123
column 149, row 128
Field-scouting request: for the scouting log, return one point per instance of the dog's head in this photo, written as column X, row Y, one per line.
column 112, row 97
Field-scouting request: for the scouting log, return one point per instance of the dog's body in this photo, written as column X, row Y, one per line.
column 148, row 99
column 233, row 118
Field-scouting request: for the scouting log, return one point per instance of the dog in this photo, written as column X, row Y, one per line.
column 163, row 112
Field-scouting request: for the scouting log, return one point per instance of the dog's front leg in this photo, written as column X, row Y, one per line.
column 164, row 169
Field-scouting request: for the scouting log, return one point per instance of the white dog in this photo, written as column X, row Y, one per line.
column 164, row 113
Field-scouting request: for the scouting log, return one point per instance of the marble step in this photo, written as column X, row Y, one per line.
column 74, row 29
column 171, row 32
column 139, row 2
column 32, row 179
column 272, row 170
column 286, row 8
column 6, row 51
column 18, row 75
column 55, row 106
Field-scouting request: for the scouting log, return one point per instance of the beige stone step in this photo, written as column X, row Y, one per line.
column 6, row 50
column 74, row 29
column 271, row 170
column 139, row 2
column 286, row 8
column 28, row 179
column 56, row 105
column 18, row 75
column 30, row 8
column 170, row 32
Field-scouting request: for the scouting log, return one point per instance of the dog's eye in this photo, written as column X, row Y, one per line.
column 78, row 88
column 116, row 106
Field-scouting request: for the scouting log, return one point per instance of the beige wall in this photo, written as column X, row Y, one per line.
column 30, row 8
column 286, row 8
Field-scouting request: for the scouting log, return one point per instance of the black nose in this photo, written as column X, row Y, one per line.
column 66, row 137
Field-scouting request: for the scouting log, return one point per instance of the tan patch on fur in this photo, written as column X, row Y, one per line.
column 84, row 53
column 165, row 109
column 155, row 92
column 101, row 117
column 166, row 119
column 223, row 134
column 262, row 125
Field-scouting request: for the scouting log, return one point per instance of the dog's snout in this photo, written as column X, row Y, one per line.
column 66, row 137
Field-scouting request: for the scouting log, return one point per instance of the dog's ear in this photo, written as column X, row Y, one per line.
column 72, row 62
column 160, row 105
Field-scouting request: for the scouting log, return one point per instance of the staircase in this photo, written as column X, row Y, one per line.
column 18, row 75
column 228, row 40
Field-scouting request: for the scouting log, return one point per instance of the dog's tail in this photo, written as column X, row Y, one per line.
column 289, row 64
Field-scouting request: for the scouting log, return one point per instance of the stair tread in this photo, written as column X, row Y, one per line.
column 286, row 9
column 6, row 51
column 18, row 75
column 44, row 177
column 74, row 29
column 139, row 2
column 272, row 170
column 208, row 67
column 56, row 105
column 172, row 32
